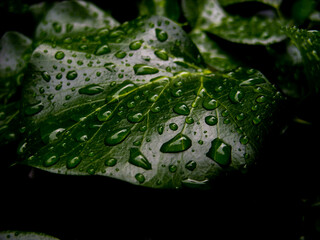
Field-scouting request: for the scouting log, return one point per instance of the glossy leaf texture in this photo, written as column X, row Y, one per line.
column 273, row 3
column 308, row 43
column 209, row 15
column 20, row 235
column 15, row 51
column 137, row 104
column 70, row 18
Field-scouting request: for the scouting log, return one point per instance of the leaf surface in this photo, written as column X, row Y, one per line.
column 138, row 105
column 19, row 235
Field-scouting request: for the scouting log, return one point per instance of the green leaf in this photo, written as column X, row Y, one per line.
column 308, row 42
column 165, row 8
column 273, row 3
column 69, row 18
column 210, row 16
column 20, row 235
column 145, row 111
column 15, row 50
column 9, row 122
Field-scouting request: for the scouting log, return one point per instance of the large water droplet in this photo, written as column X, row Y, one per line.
column 121, row 89
column 220, row 152
column 71, row 75
column 236, row 95
column 73, row 162
column 177, row 144
column 161, row 35
column 138, row 159
column 59, row 55
column 117, row 136
column 135, row 117
column 34, row 109
column 135, row 45
column 142, row 69
column 91, row 89
column 181, row 109
column 50, row 161
column 104, row 49
column 211, row 120
column 210, row 103
column 161, row 54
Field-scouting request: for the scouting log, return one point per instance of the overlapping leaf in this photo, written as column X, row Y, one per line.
column 137, row 104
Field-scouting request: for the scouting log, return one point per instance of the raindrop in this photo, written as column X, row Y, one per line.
column 34, row 109
column 244, row 140
column 110, row 67
column 110, row 162
column 210, row 104
column 142, row 69
column 160, row 129
column 135, row 117
column 161, row 35
column 135, row 45
column 59, row 55
column 236, row 95
column 138, row 159
column 252, row 82
column 104, row 49
column 173, row 126
column 220, row 152
column 191, row 165
column 91, row 89
column 189, row 120
column 173, row 168
column 50, row 161
column 140, row 178
column 73, row 162
column 46, row 76
column 261, row 99
column 120, row 54
column 71, row 75
column 117, row 136
column 121, row 89
column 181, row 109
column 161, row 54
column 178, row 143
column 211, row 120
column 256, row 120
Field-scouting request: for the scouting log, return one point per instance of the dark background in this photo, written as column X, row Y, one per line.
column 274, row 200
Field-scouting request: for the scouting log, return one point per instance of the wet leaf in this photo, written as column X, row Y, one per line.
column 20, row 235
column 274, row 3
column 133, row 114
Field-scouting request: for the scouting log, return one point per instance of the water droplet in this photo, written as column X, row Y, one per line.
column 191, row 165
column 256, row 120
column 71, row 75
column 46, row 76
column 34, row 109
column 110, row 162
column 261, row 99
column 110, row 67
column 211, row 120
column 59, row 55
column 210, row 104
column 173, row 126
column 240, row 116
column 160, row 129
column 50, row 161
column 138, row 159
column 181, row 109
column 140, row 178
column 189, row 120
column 91, row 171
column 135, row 117
column 173, row 168
column 91, row 89
column 142, row 69
column 120, row 54
column 117, row 136
column 104, row 115
column 252, row 81
column 73, row 162
column 161, row 35
column 236, row 95
column 244, row 140
column 220, row 152
column 121, row 89
column 104, row 49
column 161, row 54
column 57, row 27
column 178, row 143
column 135, row 45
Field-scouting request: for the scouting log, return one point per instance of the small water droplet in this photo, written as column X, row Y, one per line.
column 46, row 76
column 261, row 99
column 189, row 120
column 91, row 89
column 117, row 136
column 256, row 120
column 104, row 49
column 138, row 159
column 57, row 27
column 244, row 140
column 110, row 162
column 161, row 54
column 91, row 171
column 142, row 69
column 120, row 54
column 121, row 89
column 191, row 165
column 211, row 120
column 240, row 116
column 140, row 178
column 220, row 152
column 73, row 162
column 161, row 35
column 71, row 75
column 34, row 109
column 160, row 129
column 236, row 95
column 173, row 168
column 181, row 109
column 135, row 45
column 110, row 67
column 173, row 126
column 210, row 104
column 59, row 55
column 50, row 161
column 178, row 143
column 135, row 117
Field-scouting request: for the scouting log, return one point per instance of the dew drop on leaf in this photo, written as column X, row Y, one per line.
column 210, row 104
column 50, row 161
column 173, row 168
column 161, row 54
column 59, row 55
column 91, row 89
column 211, row 120
column 244, row 140
column 161, row 35
column 142, row 69
column 120, row 54
column 178, row 143
column 191, row 165
column 138, row 159
column 135, row 117
column 104, row 49
column 117, row 136
column 135, row 45
column 71, row 75
column 46, row 76
column 110, row 162
column 236, row 95
column 181, row 109
column 140, row 178
column 73, row 162
column 34, row 109
column 173, row 126
column 220, row 152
